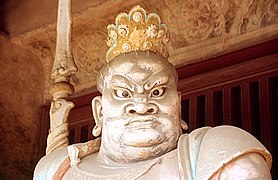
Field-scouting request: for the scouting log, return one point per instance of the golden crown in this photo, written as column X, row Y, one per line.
column 135, row 31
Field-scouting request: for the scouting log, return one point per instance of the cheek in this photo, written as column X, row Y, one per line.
column 112, row 130
column 170, row 125
column 112, row 107
column 170, row 104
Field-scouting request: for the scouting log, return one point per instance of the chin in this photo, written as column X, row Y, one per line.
column 151, row 152
column 143, row 138
column 132, row 154
column 152, row 149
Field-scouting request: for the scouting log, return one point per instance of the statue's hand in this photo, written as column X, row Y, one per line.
column 58, row 133
column 59, row 111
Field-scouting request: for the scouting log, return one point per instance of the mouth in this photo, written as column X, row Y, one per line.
column 142, row 123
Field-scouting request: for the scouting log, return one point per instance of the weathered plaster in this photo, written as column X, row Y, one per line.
column 21, row 96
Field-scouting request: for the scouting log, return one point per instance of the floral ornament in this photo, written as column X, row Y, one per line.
column 200, row 18
column 137, row 16
column 160, row 33
column 126, row 47
column 137, row 37
column 136, row 31
column 113, row 34
column 147, row 45
column 123, row 30
column 89, row 55
column 270, row 13
column 152, row 31
column 165, row 39
column 109, row 42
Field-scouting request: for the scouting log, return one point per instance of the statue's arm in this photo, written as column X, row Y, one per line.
column 248, row 166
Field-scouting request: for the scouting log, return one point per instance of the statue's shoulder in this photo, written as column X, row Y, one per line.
column 55, row 164
column 222, row 144
column 210, row 148
column 49, row 164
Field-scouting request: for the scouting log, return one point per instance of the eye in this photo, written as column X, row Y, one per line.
column 122, row 93
column 158, row 92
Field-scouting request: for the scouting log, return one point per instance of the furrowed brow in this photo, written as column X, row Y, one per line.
column 155, row 80
column 119, row 81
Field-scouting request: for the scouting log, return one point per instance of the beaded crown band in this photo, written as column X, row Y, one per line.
column 135, row 31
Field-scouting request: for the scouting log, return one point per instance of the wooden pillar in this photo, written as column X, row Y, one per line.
column 245, row 99
column 265, row 116
column 227, row 105
column 209, row 109
column 192, row 114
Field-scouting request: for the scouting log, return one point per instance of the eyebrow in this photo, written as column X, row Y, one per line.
column 157, row 79
column 121, row 81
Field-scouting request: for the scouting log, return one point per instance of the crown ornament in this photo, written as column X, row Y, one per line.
column 135, row 31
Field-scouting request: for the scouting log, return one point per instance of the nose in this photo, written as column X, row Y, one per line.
column 141, row 108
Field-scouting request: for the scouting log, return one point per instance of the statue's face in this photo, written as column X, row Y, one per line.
column 140, row 109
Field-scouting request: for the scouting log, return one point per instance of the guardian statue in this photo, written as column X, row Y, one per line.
column 139, row 120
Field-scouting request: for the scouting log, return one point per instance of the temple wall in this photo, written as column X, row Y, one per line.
column 198, row 30
column 21, row 96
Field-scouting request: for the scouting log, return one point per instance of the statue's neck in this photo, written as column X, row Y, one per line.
column 104, row 160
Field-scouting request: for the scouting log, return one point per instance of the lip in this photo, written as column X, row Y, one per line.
column 142, row 123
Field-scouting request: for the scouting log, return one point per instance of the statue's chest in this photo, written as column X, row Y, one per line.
column 165, row 167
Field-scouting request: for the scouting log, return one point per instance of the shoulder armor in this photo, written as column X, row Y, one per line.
column 188, row 150
column 222, row 144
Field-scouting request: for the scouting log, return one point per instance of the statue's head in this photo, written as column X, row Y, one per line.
column 138, row 113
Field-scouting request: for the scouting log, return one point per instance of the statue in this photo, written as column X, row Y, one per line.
column 138, row 118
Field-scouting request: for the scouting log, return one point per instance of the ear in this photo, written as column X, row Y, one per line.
column 97, row 108
column 184, row 126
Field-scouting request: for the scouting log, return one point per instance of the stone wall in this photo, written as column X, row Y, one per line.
column 21, row 96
